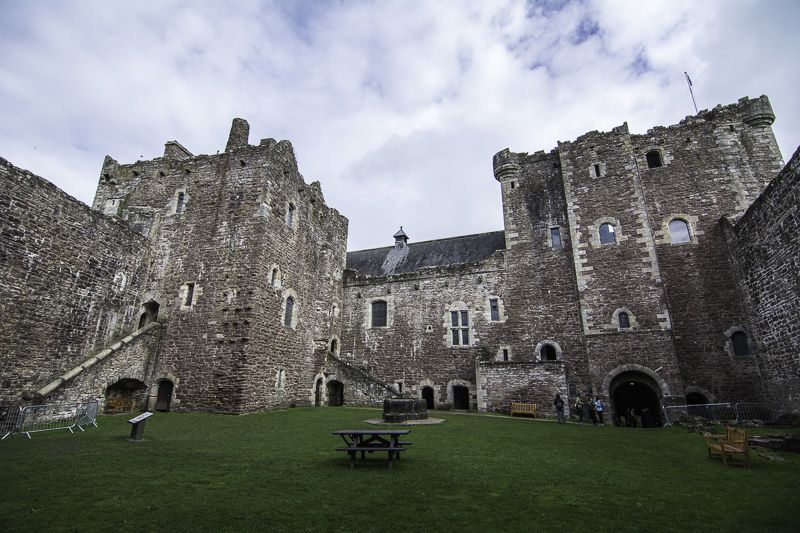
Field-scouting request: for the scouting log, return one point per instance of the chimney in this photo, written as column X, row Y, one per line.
column 240, row 132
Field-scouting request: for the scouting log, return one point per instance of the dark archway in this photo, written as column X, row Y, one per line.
column 335, row 393
column 164, row 397
column 460, row 397
column 125, row 395
column 318, row 393
column 149, row 313
column 427, row 395
column 637, row 400
column 696, row 398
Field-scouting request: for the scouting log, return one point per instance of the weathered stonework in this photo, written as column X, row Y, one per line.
column 226, row 280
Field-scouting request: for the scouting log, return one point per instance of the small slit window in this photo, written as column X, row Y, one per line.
column 494, row 309
column 379, row 314
column 290, row 215
column 596, row 170
column 275, row 278
column 679, row 231
column 181, row 203
column 654, row 159
column 555, row 238
column 189, row 295
column 624, row 321
column 333, row 346
column 287, row 316
column 607, row 234
column 741, row 346
column 505, row 354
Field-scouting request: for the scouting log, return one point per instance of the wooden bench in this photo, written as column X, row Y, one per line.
column 728, row 446
column 351, row 450
column 523, row 408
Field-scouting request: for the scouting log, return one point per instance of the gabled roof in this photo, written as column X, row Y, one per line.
column 414, row 256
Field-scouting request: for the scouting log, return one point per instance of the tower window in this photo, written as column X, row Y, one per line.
column 548, row 353
column 333, row 346
column 654, row 159
column 290, row 215
column 740, row 344
column 624, row 322
column 459, row 328
column 607, row 234
column 679, row 231
column 275, row 278
column 189, row 294
column 379, row 314
column 495, row 309
column 181, row 203
column 505, row 354
column 287, row 316
column 555, row 238
column 596, row 170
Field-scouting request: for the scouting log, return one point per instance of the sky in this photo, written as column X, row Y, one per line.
column 396, row 107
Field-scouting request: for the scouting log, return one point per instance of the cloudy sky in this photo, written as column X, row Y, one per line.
column 396, row 107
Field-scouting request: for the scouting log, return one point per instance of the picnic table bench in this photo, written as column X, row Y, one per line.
column 365, row 441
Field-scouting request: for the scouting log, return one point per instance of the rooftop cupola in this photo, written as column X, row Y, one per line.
column 400, row 239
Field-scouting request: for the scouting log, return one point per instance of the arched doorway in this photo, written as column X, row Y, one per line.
column 427, row 395
column 164, row 398
column 125, row 395
column 149, row 313
column 460, row 397
column 318, row 393
column 637, row 399
column 335, row 393
column 695, row 398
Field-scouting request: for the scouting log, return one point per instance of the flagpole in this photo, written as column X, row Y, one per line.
column 689, row 81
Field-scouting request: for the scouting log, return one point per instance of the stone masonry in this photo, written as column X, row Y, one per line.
column 647, row 269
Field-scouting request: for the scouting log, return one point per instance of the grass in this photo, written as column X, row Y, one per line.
column 278, row 471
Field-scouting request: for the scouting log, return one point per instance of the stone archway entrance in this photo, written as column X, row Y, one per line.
column 695, row 398
column 427, row 395
column 460, row 397
column 335, row 393
column 164, row 398
column 125, row 395
column 149, row 313
column 636, row 399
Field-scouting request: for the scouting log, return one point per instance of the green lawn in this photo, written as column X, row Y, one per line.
column 279, row 471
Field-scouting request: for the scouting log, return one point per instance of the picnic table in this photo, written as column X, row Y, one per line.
column 372, row 440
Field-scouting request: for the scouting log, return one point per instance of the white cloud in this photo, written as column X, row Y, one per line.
column 396, row 107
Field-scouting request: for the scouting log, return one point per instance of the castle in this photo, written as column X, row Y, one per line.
column 650, row 270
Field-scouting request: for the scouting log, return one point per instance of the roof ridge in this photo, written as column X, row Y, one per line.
column 430, row 240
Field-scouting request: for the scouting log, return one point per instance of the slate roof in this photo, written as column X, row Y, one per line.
column 414, row 256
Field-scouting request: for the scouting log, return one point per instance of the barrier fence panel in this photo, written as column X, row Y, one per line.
column 87, row 414
column 715, row 412
column 755, row 411
column 54, row 416
column 9, row 420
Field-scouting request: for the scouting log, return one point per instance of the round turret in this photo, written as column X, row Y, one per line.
column 758, row 113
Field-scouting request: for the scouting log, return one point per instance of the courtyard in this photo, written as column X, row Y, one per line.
column 278, row 471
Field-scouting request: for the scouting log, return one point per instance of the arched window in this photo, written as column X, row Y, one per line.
column 741, row 346
column 333, row 346
column 607, row 234
column 290, row 215
column 624, row 322
column 275, row 277
column 287, row 316
column 548, row 353
column 679, row 231
column 654, row 159
column 378, row 314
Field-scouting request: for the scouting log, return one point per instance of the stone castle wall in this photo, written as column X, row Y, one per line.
column 765, row 252
column 71, row 281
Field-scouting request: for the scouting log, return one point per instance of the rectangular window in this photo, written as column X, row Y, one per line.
column 555, row 238
column 495, row 310
column 454, row 318
column 181, row 202
column 505, row 354
column 465, row 336
column 459, row 321
column 379, row 314
column 597, row 170
column 464, row 319
column 189, row 294
column 455, row 337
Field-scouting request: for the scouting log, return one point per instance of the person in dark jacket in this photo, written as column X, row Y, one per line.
column 558, row 403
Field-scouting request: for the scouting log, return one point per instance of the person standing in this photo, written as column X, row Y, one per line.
column 587, row 408
column 579, row 408
column 558, row 403
column 599, row 407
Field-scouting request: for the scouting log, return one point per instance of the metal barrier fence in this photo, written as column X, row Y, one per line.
column 721, row 412
column 50, row 417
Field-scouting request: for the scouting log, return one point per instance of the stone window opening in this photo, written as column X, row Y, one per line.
column 623, row 320
column 596, row 170
column 290, row 215
column 280, row 379
column 288, row 313
column 180, row 204
column 513, row 184
column 399, row 386
column 275, row 277
column 548, row 350
column 459, row 327
column 654, row 159
column 378, row 314
column 334, row 346
column 624, row 323
column 555, row 238
column 679, row 231
column 607, row 233
column 494, row 309
column 505, row 354
column 189, row 295
column 740, row 343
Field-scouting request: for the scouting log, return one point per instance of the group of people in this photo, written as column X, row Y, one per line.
column 585, row 408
